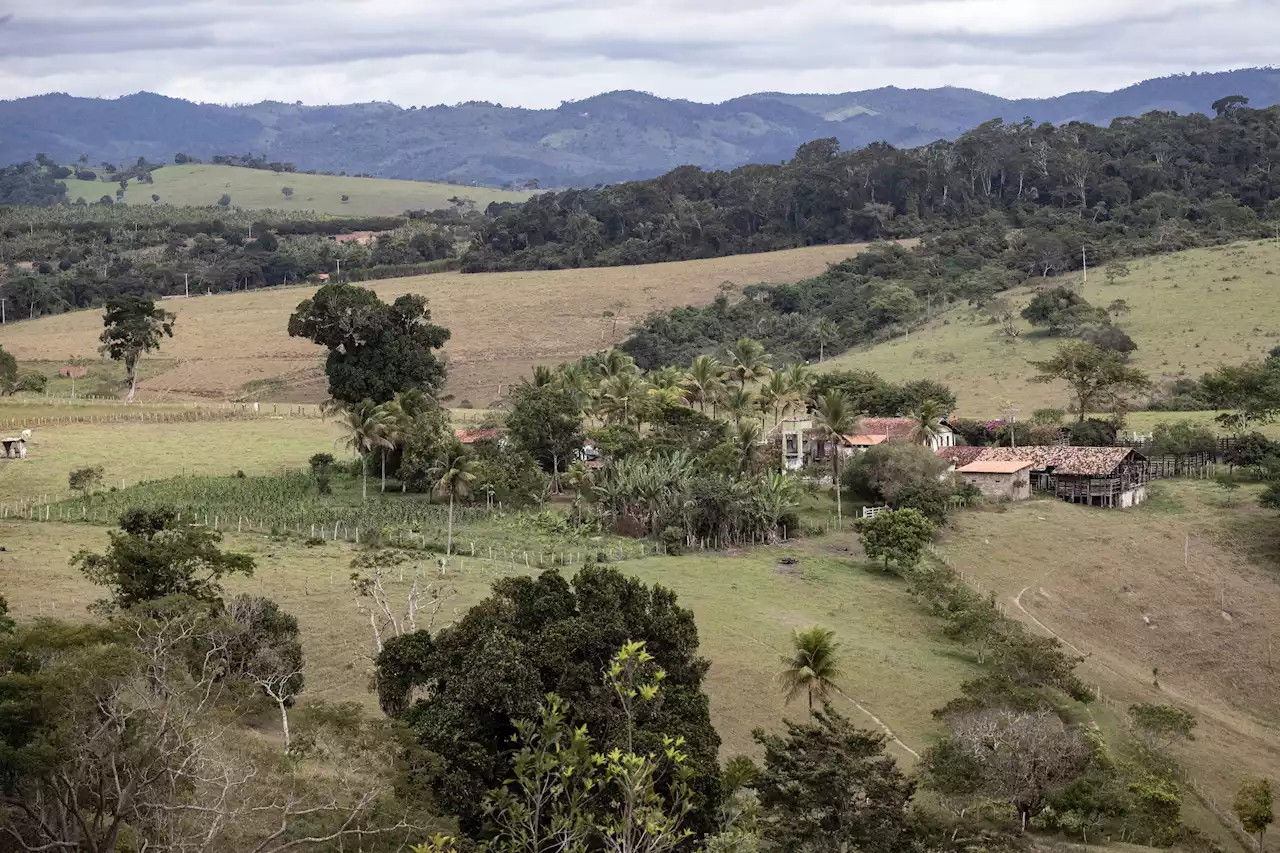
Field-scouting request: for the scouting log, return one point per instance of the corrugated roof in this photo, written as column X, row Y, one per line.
column 995, row 466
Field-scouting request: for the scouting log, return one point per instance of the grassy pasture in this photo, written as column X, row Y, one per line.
column 199, row 185
column 1186, row 583
column 1190, row 312
column 897, row 665
column 502, row 323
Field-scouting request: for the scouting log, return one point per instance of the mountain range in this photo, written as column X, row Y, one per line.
column 607, row 138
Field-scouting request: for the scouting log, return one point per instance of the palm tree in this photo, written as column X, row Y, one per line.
column 927, row 419
column 832, row 418
column 366, row 426
column 612, row 362
column 777, row 394
column 747, row 438
column 391, row 434
column 800, row 378
column 453, row 473
column 704, row 380
column 739, row 402
column 813, row 666
column 622, row 397
column 826, row 332
column 748, row 361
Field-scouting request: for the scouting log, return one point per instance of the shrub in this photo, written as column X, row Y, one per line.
column 672, row 538
column 889, row 470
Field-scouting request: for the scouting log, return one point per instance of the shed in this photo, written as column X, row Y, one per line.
column 999, row 480
column 1113, row 477
column 13, row 448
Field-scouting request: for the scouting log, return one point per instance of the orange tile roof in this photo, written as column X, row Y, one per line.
column 995, row 466
column 471, row 436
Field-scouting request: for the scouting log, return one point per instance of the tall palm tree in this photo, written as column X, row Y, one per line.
column 452, row 475
column 927, row 422
column 813, row 666
column 800, row 378
column 391, row 434
column 776, row 395
column 366, row 429
column 748, row 361
column 826, row 332
column 832, row 418
column 739, row 402
column 704, row 380
column 621, row 398
column 612, row 362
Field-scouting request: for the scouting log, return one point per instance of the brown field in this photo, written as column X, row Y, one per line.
column 1185, row 584
column 502, row 323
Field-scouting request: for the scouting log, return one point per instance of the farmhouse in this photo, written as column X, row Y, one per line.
column 1112, row 477
column 803, row 445
column 997, row 480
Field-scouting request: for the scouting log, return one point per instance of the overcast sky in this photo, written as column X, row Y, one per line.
column 538, row 53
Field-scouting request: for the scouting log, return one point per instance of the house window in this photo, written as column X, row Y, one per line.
column 791, row 445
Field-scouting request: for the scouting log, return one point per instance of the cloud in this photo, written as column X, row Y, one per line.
column 537, row 53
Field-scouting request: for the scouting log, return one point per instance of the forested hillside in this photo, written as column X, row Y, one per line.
column 615, row 136
column 1001, row 204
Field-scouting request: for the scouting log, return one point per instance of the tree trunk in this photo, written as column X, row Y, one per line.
column 364, row 478
column 284, row 723
column 448, row 543
column 835, row 464
column 555, row 474
column 133, row 384
column 384, row 470
column 811, row 701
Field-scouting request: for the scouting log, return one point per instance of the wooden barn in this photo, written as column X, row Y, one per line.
column 1112, row 477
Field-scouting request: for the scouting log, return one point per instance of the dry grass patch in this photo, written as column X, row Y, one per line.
column 502, row 323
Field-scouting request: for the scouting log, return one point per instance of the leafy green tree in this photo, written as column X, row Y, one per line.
column 832, row 418
column 547, row 634
column 376, row 350
column 454, row 472
column 366, row 427
column 224, row 201
column 85, row 480
column 896, row 471
column 1096, row 377
column 1254, row 805
column 153, row 556
column 813, row 665
column 897, row 536
column 827, row 785
column 546, row 421
column 265, row 649
column 1062, row 310
column 1160, row 726
column 1251, row 391
column 8, row 372
column 133, row 327
column 287, row 192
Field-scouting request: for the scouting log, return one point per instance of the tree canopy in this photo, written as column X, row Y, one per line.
column 376, row 350
column 133, row 327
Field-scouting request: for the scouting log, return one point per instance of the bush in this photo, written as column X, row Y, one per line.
column 321, row 463
column 31, row 381
column 890, row 470
column 672, row 538
column 1092, row 433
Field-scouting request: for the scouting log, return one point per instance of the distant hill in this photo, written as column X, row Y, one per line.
column 607, row 138
column 202, row 185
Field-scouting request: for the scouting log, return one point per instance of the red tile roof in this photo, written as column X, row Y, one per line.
column 471, row 436
column 1065, row 461
column 889, row 427
column 961, row 456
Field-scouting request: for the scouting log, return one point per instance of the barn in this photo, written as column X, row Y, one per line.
column 1112, row 477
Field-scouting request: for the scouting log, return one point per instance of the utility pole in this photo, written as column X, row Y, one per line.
column 339, row 260
column 186, row 284
column 1084, row 259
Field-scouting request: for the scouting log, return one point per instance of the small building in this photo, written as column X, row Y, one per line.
column 471, row 436
column 13, row 448
column 1000, row 481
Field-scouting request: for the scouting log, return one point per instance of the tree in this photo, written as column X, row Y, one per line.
column 813, row 666
column 1160, row 726
column 748, row 361
column 828, row 786
column 927, row 422
column 1021, row 757
column 454, row 472
column 155, row 198
column 1096, row 377
column 133, row 327
column 225, row 201
column 832, row 419
column 265, row 649
column 546, row 421
column 367, row 427
column 1254, row 806
column 287, row 192
column 1117, row 270
column 8, row 372
column 85, row 480
column 1062, row 310
column 534, row 636
column 154, row 556
column 898, row 536
column 1229, row 104
column 376, row 350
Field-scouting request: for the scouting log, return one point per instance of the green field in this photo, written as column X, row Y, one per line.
column 258, row 188
column 1190, row 312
